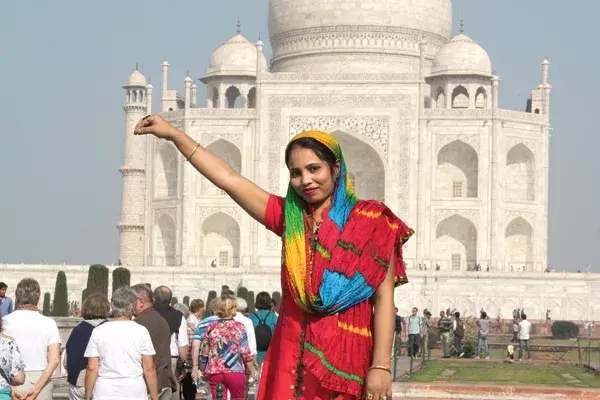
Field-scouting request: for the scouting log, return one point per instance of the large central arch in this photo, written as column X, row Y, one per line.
column 165, row 171
column 219, row 240
column 165, row 239
column 365, row 166
column 456, row 243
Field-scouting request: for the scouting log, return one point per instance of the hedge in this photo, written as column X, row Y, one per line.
column 564, row 330
column 120, row 277
column 46, row 307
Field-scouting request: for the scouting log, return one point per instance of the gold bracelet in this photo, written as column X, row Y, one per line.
column 192, row 153
column 381, row 367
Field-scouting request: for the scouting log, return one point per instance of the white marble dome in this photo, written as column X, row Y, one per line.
column 237, row 56
column 136, row 79
column 461, row 56
column 367, row 35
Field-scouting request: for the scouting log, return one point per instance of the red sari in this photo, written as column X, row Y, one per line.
column 292, row 368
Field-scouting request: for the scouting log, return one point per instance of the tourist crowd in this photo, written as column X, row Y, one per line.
column 135, row 346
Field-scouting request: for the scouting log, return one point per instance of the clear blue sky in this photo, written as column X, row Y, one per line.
column 63, row 64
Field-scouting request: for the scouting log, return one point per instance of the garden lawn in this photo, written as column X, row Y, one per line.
column 506, row 374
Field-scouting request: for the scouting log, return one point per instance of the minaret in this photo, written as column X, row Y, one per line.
column 133, row 171
column 194, row 100
column 165, row 84
column 546, row 87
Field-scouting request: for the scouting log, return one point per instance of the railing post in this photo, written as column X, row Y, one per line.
column 411, row 354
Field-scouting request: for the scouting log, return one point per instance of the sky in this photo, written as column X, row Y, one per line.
column 61, row 121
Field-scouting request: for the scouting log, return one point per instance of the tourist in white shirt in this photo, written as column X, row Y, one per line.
column 524, row 330
column 120, row 355
column 196, row 311
column 38, row 340
column 242, row 307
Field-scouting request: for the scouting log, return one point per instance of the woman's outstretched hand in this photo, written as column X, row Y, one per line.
column 155, row 125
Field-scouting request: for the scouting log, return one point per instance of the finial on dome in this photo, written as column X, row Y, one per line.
column 462, row 24
column 187, row 72
column 137, row 65
column 239, row 26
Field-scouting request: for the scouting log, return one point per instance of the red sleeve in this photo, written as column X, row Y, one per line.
column 274, row 214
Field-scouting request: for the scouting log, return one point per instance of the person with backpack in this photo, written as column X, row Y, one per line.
column 264, row 321
column 459, row 332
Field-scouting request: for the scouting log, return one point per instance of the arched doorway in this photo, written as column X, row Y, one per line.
column 229, row 153
column 165, row 171
column 457, row 171
column 165, row 238
column 518, row 245
column 220, row 241
column 365, row 166
column 520, row 174
column 456, row 243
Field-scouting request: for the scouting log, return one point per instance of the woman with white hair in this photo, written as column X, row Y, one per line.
column 120, row 355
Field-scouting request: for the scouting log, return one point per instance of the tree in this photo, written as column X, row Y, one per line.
column 120, row 277
column 251, row 302
column 46, row 307
column 224, row 289
column 243, row 293
column 277, row 297
column 186, row 300
column 211, row 296
column 97, row 281
column 174, row 301
column 61, row 297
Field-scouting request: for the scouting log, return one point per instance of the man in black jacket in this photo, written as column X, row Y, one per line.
column 177, row 327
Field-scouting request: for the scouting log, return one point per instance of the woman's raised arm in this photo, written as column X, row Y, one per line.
column 247, row 194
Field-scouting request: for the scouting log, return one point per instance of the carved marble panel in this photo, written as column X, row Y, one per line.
column 442, row 140
column 510, row 215
column 512, row 141
column 374, row 130
column 208, row 138
column 203, row 212
column 441, row 214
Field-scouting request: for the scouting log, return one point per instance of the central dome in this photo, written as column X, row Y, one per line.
column 356, row 35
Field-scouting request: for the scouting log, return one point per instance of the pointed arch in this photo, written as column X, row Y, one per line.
column 364, row 164
column 460, row 97
column 457, row 171
column 481, row 98
column 234, row 98
column 230, row 153
column 252, row 98
column 456, row 242
column 215, row 98
column 165, row 237
column 165, row 171
column 520, row 174
column 440, row 98
column 220, row 240
column 518, row 245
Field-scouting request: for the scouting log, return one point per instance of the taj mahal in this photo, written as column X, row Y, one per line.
column 416, row 110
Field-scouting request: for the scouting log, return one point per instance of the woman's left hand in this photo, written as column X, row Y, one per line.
column 378, row 385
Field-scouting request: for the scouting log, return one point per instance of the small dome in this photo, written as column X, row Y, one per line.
column 237, row 56
column 136, row 79
column 461, row 56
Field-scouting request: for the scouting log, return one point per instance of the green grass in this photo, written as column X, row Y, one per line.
column 507, row 374
column 549, row 341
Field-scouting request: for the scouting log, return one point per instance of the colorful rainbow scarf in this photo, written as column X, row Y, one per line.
column 354, row 247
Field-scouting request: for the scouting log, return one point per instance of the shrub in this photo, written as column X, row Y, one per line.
column 120, row 277
column 251, row 302
column 211, row 296
column 224, row 289
column 564, row 330
column 186, row 300
column 97, row 281
column 46, row 306
column 61, row 297
column 434, row 338
column 243, row 293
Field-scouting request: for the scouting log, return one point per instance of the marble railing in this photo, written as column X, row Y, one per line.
column 510, row 115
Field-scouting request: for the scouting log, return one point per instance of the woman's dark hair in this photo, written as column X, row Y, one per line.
column 319, row 148
column 263, row 301
column 483, row 315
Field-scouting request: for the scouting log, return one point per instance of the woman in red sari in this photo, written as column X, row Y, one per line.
column 342, row 258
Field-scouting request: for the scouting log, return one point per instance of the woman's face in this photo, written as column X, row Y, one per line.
column 310, row 176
